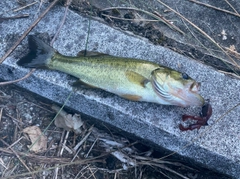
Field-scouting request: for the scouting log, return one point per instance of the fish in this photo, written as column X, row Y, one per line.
column 129, row 78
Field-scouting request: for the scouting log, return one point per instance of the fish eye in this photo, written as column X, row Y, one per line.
column 185, row 76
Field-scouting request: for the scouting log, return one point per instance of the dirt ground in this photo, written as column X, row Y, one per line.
column 95, row 153
column 94, row 158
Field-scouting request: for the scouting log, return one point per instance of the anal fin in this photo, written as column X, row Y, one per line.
column 131, row 97
column 81, row 84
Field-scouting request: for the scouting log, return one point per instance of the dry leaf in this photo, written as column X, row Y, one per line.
column 39, row 141
column 67, row 121
column 232, row 48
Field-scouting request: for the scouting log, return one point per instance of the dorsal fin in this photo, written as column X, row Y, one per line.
column 89, row 54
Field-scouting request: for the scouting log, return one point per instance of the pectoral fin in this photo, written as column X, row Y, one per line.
column 136, row 78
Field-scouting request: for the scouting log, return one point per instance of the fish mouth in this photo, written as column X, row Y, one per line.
column 190, row 96
column 193, row 98
column 195, row 87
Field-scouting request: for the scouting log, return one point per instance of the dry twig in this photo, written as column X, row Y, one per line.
column 23, row 7
column 68, row 3
column 165, row 21
column 205, row 34
column 19, row 158
column 14, row 17
column 20, row 79
column 10, row 146
column 81, row 142
column 78, row 162
column 216, row 8
column 38, row 158
column 231, row 6
column 1, row 114
column 124, row 19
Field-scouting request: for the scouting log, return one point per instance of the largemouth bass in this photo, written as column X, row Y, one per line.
column 133, row 79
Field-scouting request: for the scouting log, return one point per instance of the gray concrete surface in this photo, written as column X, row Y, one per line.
column 217, row 145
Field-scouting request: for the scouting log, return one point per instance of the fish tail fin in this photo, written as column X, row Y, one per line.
column 39, row 54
